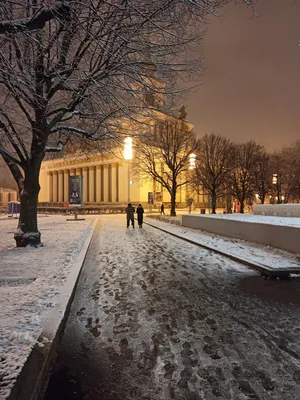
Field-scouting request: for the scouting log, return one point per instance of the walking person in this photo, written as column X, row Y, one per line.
column 130, row 214
column 162, row 209
column 140, row 212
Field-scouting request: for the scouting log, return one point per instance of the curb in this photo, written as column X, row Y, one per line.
column 265, row 270
column 29, row 383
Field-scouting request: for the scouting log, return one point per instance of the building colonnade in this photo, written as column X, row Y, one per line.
column 100, row 183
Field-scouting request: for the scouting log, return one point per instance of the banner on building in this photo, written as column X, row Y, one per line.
column 75, row 190
column 150, row 198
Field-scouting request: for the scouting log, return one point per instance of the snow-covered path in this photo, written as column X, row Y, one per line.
column 156, row 318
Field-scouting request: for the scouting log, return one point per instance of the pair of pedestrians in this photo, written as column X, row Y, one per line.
column 130, row 210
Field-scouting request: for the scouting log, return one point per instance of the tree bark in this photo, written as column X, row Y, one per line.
column 242, row 207
column 27, row 232
column 173, row 203
column 213, row 202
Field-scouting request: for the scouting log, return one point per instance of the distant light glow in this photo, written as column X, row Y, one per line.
column 192, row 161
column 130, row 182
column 128, row 148
column 257, row 195
column 274, row 179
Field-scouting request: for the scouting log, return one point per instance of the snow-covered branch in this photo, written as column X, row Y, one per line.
column 54, row 149
column 38, row 21
column 72, row 129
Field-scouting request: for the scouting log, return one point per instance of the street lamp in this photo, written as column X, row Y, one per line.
column 192, row 161
column 128, row 157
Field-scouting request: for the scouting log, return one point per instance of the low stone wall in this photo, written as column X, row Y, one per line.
column 281, row 237
column 277, row 210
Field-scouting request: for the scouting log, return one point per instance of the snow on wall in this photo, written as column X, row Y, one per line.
column 279, row 236
column 278, row 210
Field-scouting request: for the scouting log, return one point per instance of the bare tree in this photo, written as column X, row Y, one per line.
column 284, row 172
column 262, row 176
column 88, row 60
column 292, row 159
column 215, row 155
column 241, row 179
column 164, row 155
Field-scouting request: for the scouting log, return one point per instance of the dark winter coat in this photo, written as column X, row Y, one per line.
column 130, row 212
column 140, row 211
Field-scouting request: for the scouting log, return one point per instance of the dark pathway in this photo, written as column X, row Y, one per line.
column 155, row 318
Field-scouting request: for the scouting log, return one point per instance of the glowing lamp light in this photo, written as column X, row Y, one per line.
column 257, row 195
column 192, row 161
column 274, row 179
column 282, row 198
column 128, row 148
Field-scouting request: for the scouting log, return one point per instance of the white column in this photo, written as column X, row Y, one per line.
column 55, row 197
column 60, row 186
column 105, row 183
column 92, row 184
column 66, row 185
column 98, row 184
column 122, row 184
column 85, row 184
column 114, row 183
column 50, row 186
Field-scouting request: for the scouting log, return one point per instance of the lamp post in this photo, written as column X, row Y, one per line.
column 276, row 183
column 128, row 157
column 192, row 166
column 192, row 161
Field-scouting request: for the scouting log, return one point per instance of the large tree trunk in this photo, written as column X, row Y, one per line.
column 173, row 203
column 27, row 232
column 213, row 202
column 242, row 206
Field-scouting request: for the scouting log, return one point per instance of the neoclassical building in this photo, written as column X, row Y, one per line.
column 105, row 179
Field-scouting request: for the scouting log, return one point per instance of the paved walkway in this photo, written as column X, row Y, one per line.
column 156, row 318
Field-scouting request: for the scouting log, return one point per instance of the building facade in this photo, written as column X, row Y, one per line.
column 105, row 179
column 7, row 196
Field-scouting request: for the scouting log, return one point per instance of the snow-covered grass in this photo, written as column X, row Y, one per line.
column 263, row 219
column 278, row 210
column 164, row 218
column 273, row 258
column 30, row 280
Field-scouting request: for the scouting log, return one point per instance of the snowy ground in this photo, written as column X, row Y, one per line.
column 266, row 255
column 29, row 282
column 264, row 219
column 158, row 318
column 142, row 261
